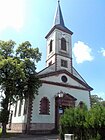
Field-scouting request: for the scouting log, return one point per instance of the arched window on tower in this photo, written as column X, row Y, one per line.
column 63, row 44
column 44, row 106
column 50, row 49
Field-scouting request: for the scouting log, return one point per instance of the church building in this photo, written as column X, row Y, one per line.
column 62, row 86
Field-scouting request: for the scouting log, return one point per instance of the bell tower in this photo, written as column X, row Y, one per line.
column 59, row 46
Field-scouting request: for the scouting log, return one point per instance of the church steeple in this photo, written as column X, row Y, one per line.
column 59, row 22
column 59, row 46
column 58, row 19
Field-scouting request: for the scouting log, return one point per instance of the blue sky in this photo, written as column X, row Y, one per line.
column 22, row 20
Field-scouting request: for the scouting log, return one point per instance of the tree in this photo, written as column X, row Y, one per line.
column 18, row 74
column 73, row 121
column 96, row 100
column 95, row 121
column 84, row 124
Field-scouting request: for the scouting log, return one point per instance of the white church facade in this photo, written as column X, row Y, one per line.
column 62, row 86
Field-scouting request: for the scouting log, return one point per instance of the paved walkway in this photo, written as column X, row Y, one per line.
column 32, row 137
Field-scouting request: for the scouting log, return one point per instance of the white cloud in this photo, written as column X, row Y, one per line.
column 82, row 52
column 11, row 14
column 103, row 51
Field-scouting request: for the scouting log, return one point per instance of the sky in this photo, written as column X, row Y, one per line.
column 31, row 20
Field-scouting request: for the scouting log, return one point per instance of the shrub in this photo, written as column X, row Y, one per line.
column 83, row 123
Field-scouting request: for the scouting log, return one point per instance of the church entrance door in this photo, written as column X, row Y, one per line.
column 61, row 103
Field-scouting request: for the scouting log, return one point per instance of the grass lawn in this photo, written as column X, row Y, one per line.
column 0, row 130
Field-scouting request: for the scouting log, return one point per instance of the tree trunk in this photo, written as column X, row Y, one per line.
column 28, row 119
column 4, row 129
column 5, row 115
column 29, row 109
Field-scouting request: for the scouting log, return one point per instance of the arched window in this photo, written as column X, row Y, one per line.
column 63, row 44
column 44, row 106
column 15, row 112
column 50, row 49
column 25, row 107
column 20, row 107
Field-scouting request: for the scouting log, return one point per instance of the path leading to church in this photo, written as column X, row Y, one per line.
column 32, row 137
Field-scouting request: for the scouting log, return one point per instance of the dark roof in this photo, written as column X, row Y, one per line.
column 58, row 19
column 62, row 28
column 59, row 22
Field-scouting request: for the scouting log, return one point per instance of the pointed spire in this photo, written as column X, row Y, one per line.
column 58, row 20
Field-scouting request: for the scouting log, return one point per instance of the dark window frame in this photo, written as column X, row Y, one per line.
column 63, row 44
column 64, row 63
column 51, row 46
column 50, row 63
column 20, row 107
column 64, row 79
column 25, row 107
column 15, row 112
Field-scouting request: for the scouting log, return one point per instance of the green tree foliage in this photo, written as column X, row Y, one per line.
column 29, row 56
column 18, row 78
column 95, row 121
column 73, row 121
column 84, row 124
column 96, row 100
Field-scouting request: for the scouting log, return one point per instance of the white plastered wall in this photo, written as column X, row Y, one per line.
column 60, row 34
column 50, row 91
column 56, row 36
column 49, row 55
column 18, row 119
column 57, row 79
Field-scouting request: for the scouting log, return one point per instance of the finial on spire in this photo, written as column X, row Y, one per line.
column 58, row 1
